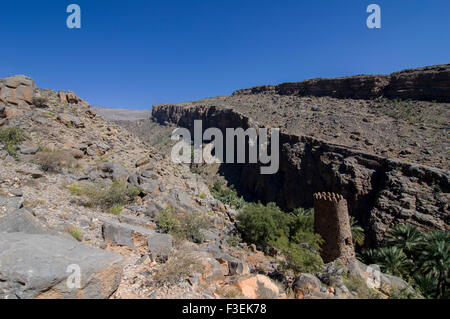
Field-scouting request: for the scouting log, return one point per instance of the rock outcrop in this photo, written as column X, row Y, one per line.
column 17, row 90
column 71, row 98
column 429, row 83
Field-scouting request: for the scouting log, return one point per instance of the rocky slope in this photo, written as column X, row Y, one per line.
column 48, row 230
column 389, row 158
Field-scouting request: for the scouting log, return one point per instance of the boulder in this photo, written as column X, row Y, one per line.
column 43, row 267
column 159, row 246
column 120, row 234
column 71, row 98
column 135, row 237
column 259, row 287
column 305, row 284
column 23, row 221
column 28, row 149
column 114, row 171
column 17, row 90
column 10, row 204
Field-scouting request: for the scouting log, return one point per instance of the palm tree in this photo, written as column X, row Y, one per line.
column 357, row 232
column 436, row 260
column 425, row 284
column 394, row 261
column 405, row 237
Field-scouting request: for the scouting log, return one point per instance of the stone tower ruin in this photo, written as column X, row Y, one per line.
column 332, row 223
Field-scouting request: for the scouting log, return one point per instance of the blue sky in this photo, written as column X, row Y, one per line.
column 138, row 53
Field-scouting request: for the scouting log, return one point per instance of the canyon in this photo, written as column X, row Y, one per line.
column 381, row 191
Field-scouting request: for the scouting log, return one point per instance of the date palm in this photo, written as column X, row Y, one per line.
column 405, row 237
column 393, row 260
column 436, row 260
column 357, row 232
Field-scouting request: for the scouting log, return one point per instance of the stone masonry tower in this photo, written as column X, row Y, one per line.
column 332, row 223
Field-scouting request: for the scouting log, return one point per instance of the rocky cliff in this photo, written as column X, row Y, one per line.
column 429, row 83
column 381, row 192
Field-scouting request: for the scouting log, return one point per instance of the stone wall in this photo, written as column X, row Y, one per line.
column 428, row 83
column 380, row 192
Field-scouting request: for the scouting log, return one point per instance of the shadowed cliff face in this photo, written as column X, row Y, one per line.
column 380, row 192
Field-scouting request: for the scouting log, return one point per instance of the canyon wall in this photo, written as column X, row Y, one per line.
column 381, row 192
column 429, row 84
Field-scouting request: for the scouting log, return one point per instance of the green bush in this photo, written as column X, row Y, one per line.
column 297, row 258
column 116, row 210
column 262, row 225
column 105, row 195
column 75, row 233
column 187, row 226
column 226, row 195
column 167, row 221
column 292, row 234
column 10, row 138
column 191, row 226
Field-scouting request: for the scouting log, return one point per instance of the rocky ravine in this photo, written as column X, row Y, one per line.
column 46, row 231
column 343, row 146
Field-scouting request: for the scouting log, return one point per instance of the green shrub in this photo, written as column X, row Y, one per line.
column 292, row 234
column 262, row 225
column 296, row 258
column 167, row 221
column 116, row 210
column 10, row 138
column 191, row 226
column 75, row 232
column 227, row 196
column 187, row 226
column 105, row 195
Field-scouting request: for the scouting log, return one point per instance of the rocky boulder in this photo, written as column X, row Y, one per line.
column 17, row 90
column 36, row 263
column 23, row 221
column 46, row 267
column 71, row 98
column 259, row 287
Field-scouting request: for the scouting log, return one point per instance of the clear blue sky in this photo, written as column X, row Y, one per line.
column 141, row 52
